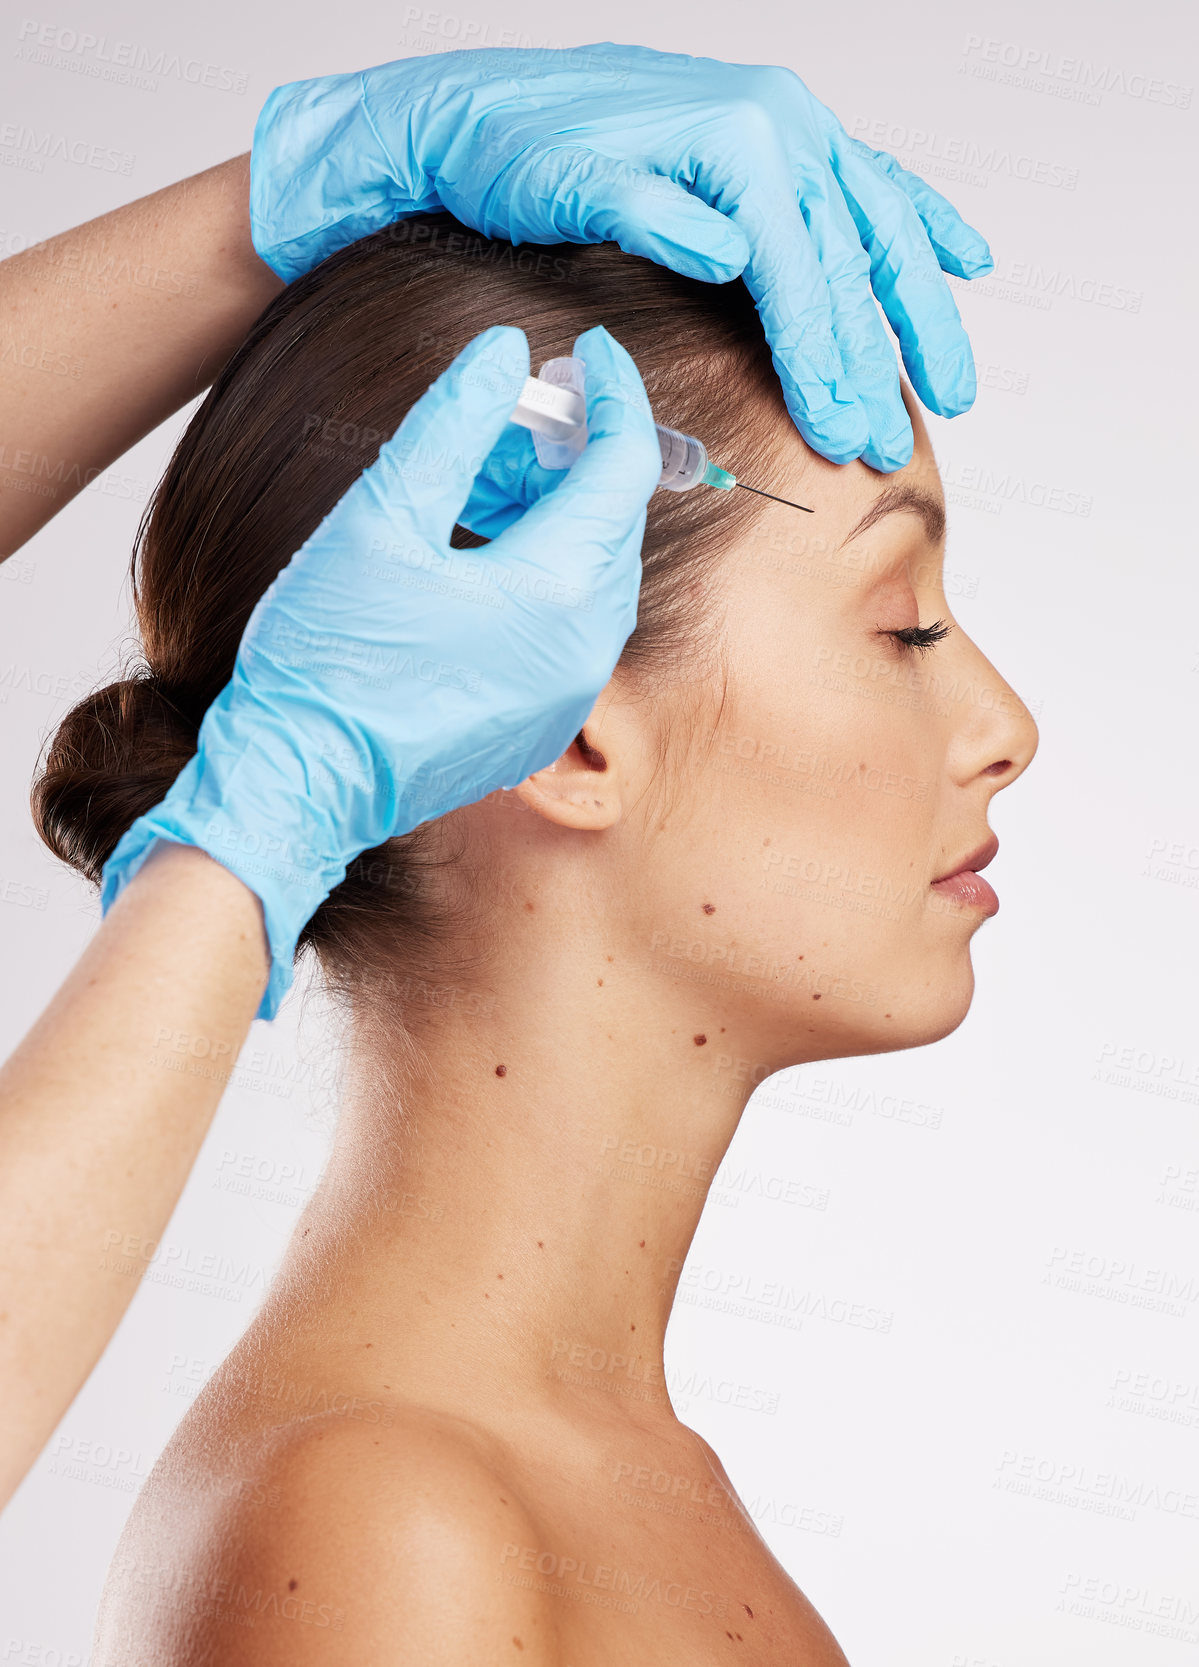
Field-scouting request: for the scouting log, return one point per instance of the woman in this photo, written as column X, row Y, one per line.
column 429, row 1445
column 755, row 176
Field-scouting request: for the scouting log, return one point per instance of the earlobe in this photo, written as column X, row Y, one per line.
column 578, row 790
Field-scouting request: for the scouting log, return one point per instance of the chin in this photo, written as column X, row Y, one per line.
column 945, row 1004
column 918, row 1020
column 926, row 1003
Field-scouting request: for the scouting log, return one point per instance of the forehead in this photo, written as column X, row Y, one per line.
column 849, row 500
column 850, row 541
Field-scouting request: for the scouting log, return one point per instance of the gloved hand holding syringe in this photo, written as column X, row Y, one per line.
column 537, row 666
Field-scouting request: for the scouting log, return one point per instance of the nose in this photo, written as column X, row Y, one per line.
column 995, row 734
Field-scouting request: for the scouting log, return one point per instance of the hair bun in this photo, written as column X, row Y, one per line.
column 114, row 756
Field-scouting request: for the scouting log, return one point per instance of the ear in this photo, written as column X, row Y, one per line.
column 582, row 788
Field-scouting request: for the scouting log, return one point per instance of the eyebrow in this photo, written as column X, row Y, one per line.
column 903, row 496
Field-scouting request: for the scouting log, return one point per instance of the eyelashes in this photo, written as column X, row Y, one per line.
column 920, row 637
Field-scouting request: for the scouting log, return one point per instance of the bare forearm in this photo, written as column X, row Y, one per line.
column 103, row 1108
column 107, row 329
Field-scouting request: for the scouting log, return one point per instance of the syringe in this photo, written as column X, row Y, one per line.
column 553, row 407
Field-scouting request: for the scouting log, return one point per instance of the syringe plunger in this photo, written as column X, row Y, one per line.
column 557, row 415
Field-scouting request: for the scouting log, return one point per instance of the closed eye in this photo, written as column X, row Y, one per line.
column 920, row 637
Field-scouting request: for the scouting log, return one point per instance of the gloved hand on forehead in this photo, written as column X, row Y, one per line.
column 715, row 170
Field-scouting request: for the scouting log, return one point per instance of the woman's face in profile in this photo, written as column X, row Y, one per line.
column 819, row 783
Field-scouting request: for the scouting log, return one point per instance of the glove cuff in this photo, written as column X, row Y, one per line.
column 290, row 878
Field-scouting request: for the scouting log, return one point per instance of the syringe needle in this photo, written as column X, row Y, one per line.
column 770, row 495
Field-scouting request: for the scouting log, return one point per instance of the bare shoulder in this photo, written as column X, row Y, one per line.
column 325, row 1541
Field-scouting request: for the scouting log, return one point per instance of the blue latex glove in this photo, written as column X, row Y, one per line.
column 384, row 679
column 717, row 170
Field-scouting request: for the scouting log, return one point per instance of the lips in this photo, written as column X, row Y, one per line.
column 965, row 886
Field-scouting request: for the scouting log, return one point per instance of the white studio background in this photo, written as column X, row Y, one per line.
column 1008, row 1474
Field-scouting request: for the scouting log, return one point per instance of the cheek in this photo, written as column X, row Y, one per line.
column 814, row 798
column 826, row 745
column 790, row 875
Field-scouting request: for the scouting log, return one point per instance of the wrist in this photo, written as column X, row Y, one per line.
column 202, row 896
column 247, row 268
column 254, row 826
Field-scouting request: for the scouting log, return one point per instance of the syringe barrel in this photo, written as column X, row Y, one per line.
column 557, row 415
column 684, row 459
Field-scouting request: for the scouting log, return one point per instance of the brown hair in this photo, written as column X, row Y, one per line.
column 324, row 376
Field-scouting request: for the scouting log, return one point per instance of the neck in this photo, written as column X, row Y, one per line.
column 522, row 1219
